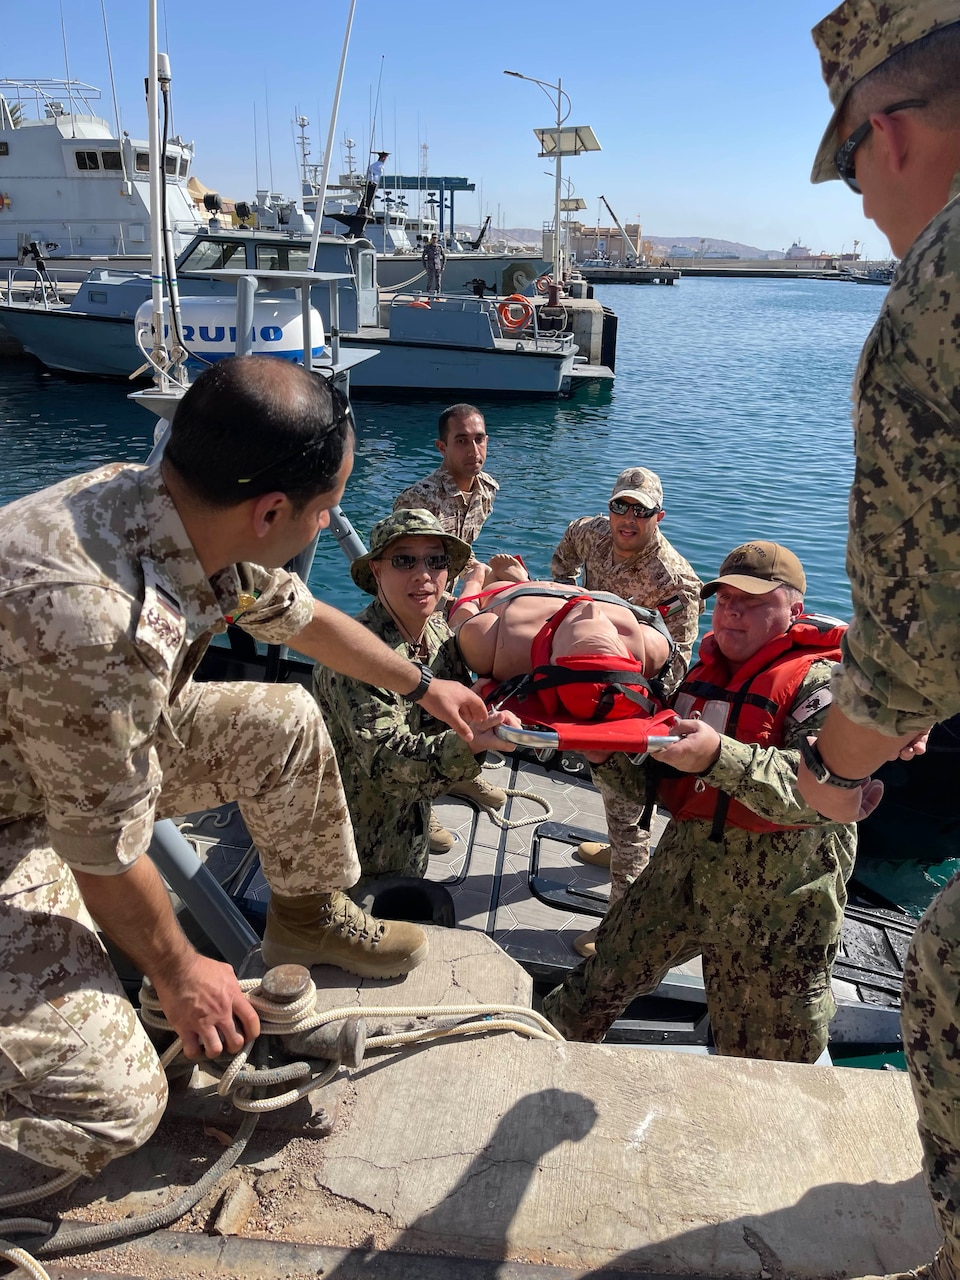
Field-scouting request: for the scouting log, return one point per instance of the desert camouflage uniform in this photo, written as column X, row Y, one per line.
column 394, row 757
column 657, row 575
column 901, row 665
column 763, row 908
column 105, row 613
column 459, row 513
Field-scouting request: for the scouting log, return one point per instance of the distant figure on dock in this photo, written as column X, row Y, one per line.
column 892, row 73
column 111, row 588
column 625, row 553
column 744, row 875
column 373, row 176
column 433, row 258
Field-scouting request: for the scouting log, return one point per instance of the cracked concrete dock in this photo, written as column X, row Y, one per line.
column 509, row 1158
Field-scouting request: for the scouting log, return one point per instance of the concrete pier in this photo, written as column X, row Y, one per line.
column 503, row 1157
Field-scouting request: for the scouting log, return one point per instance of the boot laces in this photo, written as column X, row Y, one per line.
column 345, row 916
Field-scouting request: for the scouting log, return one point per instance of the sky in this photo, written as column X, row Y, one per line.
column 708, row 114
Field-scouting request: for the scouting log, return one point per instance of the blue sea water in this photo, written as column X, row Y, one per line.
column 737, row 392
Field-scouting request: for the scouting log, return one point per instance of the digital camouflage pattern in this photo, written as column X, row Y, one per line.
column 930, row 1020
column 656, row 576
column 80, row 1082
column 855, row 39
column 394, row 757
column 763, row 909
column 105, row 613
column 901, row 654
column 459, row 513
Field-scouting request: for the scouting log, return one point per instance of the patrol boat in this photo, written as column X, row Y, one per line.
column 454, row 345
column 76, row 187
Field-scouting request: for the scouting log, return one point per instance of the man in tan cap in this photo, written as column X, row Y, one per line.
column 893, row 73
column 625, row 553
column 743, row 875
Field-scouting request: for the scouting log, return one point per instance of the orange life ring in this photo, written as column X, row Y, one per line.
column 419, row 304
column 544, row 282
column 515, row 303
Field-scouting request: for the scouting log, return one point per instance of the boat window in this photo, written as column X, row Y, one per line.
column 87, row 160
column 170, row 165
column 215, row 255
column 268, row 258
column 111, row 161
column 366, row 270
column 143, row 162
column 299, row 259
column 184, row 166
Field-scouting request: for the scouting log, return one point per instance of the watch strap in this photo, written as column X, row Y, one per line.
column 814, row 761
column 426, row 676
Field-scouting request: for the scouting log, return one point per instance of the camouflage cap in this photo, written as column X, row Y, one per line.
column 637, row 484
column 410, row 523
column 855, row 39
column 758, row 568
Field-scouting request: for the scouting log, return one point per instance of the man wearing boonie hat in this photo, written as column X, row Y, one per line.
column 394, row 758
column 893, row 74
column 743, row 875
column 624, row 552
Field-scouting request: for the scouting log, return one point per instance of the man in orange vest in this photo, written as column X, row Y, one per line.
column 744, row 875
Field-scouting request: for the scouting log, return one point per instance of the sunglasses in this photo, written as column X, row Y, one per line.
column 844, row 157
column 618, row 507
column 342, row 412
column 406, row 563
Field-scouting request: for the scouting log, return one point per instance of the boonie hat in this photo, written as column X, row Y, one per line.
column 637, row 484
column 414, row 522
column 758, row 568
column 859, row 36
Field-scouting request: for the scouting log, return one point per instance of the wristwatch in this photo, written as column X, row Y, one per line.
column 426, row 675
column 815, row 763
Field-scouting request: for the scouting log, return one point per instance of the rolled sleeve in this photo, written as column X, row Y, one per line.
column 283, row 606
column 871, row 696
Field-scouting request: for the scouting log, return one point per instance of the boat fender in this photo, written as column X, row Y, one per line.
column 209, row 327
column 544, row 282
column 515, row 311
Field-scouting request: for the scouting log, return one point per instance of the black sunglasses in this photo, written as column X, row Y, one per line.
column 406, row 562
column 618, row 507
column 844, row 157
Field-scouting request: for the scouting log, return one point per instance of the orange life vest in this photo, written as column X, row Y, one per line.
column 750, row 706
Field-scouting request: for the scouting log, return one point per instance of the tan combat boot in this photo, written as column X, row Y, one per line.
column 329, row 928
column 482, row 793
column 594, row 853
column 585, row 944
column 440, row 840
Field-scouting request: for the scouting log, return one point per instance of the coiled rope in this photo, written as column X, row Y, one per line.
column 237, row 1082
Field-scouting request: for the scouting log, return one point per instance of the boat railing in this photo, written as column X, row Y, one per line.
column 30, row 284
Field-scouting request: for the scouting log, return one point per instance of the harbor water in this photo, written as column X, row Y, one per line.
column 737, row 392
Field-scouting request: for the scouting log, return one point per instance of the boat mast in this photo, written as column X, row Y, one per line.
column 328, row 149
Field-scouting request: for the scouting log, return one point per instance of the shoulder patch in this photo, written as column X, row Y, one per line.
column 815, row 702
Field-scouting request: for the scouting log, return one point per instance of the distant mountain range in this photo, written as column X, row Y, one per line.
column 661, row 244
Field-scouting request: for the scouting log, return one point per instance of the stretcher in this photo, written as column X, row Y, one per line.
column 547, row 730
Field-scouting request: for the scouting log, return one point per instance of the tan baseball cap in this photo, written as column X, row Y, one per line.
column 758, row 568
column 637, row 484
column 855, row 39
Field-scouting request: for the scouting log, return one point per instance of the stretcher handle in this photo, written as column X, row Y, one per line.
column 543, row 738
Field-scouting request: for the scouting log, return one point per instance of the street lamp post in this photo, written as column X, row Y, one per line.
column 546, row 87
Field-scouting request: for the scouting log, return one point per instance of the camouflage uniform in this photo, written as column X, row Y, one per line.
column 105, row 613
column 394, row 757
column 459, row 513
column 763, row 908
column 657, row 576
column 901, row 665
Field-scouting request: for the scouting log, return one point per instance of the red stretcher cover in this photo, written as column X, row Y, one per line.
column 630, row 734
